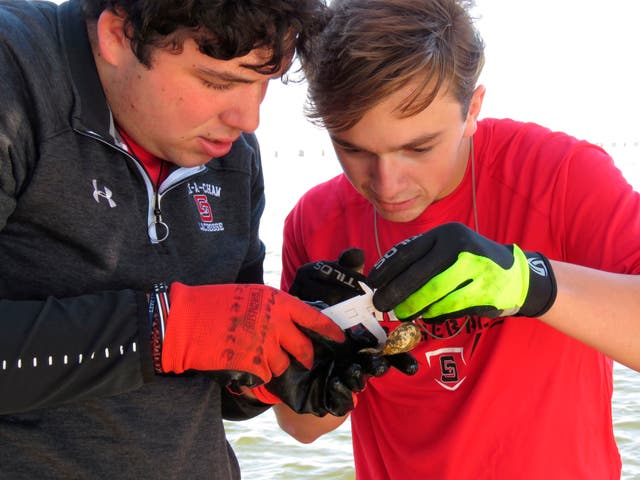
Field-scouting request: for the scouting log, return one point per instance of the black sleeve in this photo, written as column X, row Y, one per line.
column 58, row 350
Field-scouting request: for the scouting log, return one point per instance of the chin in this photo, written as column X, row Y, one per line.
column 399, row 217
column 190, row 161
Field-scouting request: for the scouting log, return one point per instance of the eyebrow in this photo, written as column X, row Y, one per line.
column 223, row 76
column 428, row 138
column 229, row 76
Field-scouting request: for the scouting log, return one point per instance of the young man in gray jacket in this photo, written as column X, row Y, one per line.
column 133, row 317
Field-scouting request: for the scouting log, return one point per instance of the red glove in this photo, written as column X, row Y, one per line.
column 243, row 328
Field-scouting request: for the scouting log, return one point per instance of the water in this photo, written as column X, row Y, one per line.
column 264, row 451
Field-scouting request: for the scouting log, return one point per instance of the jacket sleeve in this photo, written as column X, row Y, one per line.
column 59, row 350
column 55, row 350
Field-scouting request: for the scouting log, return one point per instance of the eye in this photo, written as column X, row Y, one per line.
column 349, row 149
column 420, row 150
column 217, row 86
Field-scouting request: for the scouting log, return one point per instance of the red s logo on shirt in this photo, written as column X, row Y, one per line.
column 204, row 208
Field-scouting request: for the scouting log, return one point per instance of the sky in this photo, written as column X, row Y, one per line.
column 571, row 65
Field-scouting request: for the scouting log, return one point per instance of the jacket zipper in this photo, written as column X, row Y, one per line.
column 154, row 194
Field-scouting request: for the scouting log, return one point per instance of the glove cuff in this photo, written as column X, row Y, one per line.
column 265, row 396
column 542, row 286
column 158, row 313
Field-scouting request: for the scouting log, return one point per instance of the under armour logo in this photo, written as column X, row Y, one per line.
column 106, row 194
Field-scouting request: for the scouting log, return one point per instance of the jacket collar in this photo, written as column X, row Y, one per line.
column 90, row 111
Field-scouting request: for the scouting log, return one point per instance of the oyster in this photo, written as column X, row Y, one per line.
column 404, row 338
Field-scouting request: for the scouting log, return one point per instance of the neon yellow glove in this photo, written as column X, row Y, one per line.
column 452, row 271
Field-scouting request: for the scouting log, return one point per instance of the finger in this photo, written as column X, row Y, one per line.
column 308, row 347
column 399, row 257
column 339, row 401
column 317, row 304
column 234, row 380
column 327, row 281
column 353, row 377
column 456, row 292
column 360, row 337
column 452, row 289
column 374, row 365
column 308, row 317
column 423, row 299
column 404, row 362
column 352, row 258
column 410, row 279
column 280, row 358
column 409, row 265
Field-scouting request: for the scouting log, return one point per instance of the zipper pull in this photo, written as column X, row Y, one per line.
column 160, row 229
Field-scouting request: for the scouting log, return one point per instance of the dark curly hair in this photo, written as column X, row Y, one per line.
column 223, row 29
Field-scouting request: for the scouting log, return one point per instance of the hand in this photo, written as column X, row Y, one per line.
column 330, row 386
column 330, row 282
column 326, row 283
column 451, row 271
column 245, row 335
column 249, row 332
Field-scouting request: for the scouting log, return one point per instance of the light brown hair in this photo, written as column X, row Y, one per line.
column 372, row 48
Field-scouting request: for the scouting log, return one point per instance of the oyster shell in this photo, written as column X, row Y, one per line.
column 403, row 339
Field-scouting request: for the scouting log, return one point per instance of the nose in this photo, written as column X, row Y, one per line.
column 386, row 178
column 243, row 113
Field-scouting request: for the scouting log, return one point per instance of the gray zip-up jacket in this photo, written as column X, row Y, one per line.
column 80, row 243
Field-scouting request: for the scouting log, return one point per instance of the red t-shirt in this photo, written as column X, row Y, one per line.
column 504, row 398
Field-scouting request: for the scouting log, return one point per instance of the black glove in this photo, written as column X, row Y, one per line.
column 325, row 283
column 330, row 282
column 338, row 372
column 452, row 271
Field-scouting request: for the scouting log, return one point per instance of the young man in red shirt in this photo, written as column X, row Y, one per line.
column 516, row 248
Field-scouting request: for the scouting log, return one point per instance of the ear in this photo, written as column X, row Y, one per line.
column 112, row 41
column 475, row 105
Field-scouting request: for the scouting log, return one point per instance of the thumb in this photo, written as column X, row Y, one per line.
column 306, row 316
column 353, row 259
